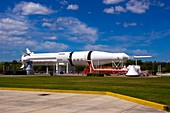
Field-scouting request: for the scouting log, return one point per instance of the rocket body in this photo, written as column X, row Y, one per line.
column 78, row 58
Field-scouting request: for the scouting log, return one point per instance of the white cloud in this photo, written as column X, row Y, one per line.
column 116, row 10
column 139, row 52
column 28, row 8
column 46, row 24
column 129, row 24
column 51, row 38
column 13, row 41
column 8, row 23
column 23, row 42
column 112, row 1
column 121, row 38
column 96, row 47
column 109, row 10
column 157, row 3
column 73, row 7
column 129, row 39
column 63, row 2
column 141, row 40
column 134, row 6
column 17, row 34
column 60, row 28
column 76, row 30
column 120, row 9
column 161, row 4
column 157, row 35
column 10, row 26
column 137, row 6
column 89, row 12
column 50, row 46
column 118, row 23
column 101, row 47
column 49, row 23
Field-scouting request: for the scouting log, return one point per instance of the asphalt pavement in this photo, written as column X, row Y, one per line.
column 48, row 102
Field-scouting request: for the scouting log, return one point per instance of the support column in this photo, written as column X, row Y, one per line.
column 47, row 70
column 67, row 68
column 136, row 62
column 56, row 68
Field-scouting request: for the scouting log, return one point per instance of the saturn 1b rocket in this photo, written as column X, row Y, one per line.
column 77, row 58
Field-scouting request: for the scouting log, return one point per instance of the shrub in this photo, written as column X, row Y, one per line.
column 19, row 72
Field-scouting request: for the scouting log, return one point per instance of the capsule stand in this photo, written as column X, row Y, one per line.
column 132, row 71
column 29, row 68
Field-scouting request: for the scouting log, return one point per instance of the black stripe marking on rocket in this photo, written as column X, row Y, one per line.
column 89, row 56
column 70, row 58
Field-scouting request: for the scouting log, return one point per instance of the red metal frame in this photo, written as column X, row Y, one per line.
column 105, row 70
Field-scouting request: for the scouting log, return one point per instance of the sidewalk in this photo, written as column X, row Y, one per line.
column 48, row 102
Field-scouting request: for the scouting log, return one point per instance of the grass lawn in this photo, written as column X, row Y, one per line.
column 152, row 89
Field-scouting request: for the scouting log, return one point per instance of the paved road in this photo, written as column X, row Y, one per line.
column 47, row 102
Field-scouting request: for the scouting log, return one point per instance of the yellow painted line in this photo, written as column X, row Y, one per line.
column 139, row 101
column 132, row 99
column 57, row 91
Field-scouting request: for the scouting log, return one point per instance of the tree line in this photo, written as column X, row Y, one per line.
column 147, row 65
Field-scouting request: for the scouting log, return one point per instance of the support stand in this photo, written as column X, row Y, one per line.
column 29, row 68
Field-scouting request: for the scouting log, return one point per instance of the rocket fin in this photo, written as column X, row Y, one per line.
column 28, row 52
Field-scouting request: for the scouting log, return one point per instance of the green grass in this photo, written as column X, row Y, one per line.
column 152, row 89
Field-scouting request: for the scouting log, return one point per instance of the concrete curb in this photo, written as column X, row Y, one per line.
column 132, row 99
column 139, row 101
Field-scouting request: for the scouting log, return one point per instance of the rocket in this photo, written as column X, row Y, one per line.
column 77, row 58
column 74, row 58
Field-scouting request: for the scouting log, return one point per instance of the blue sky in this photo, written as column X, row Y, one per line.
column 136, row 27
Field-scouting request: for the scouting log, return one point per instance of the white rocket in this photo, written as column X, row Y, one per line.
column 78, row 58
column 73, row 58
